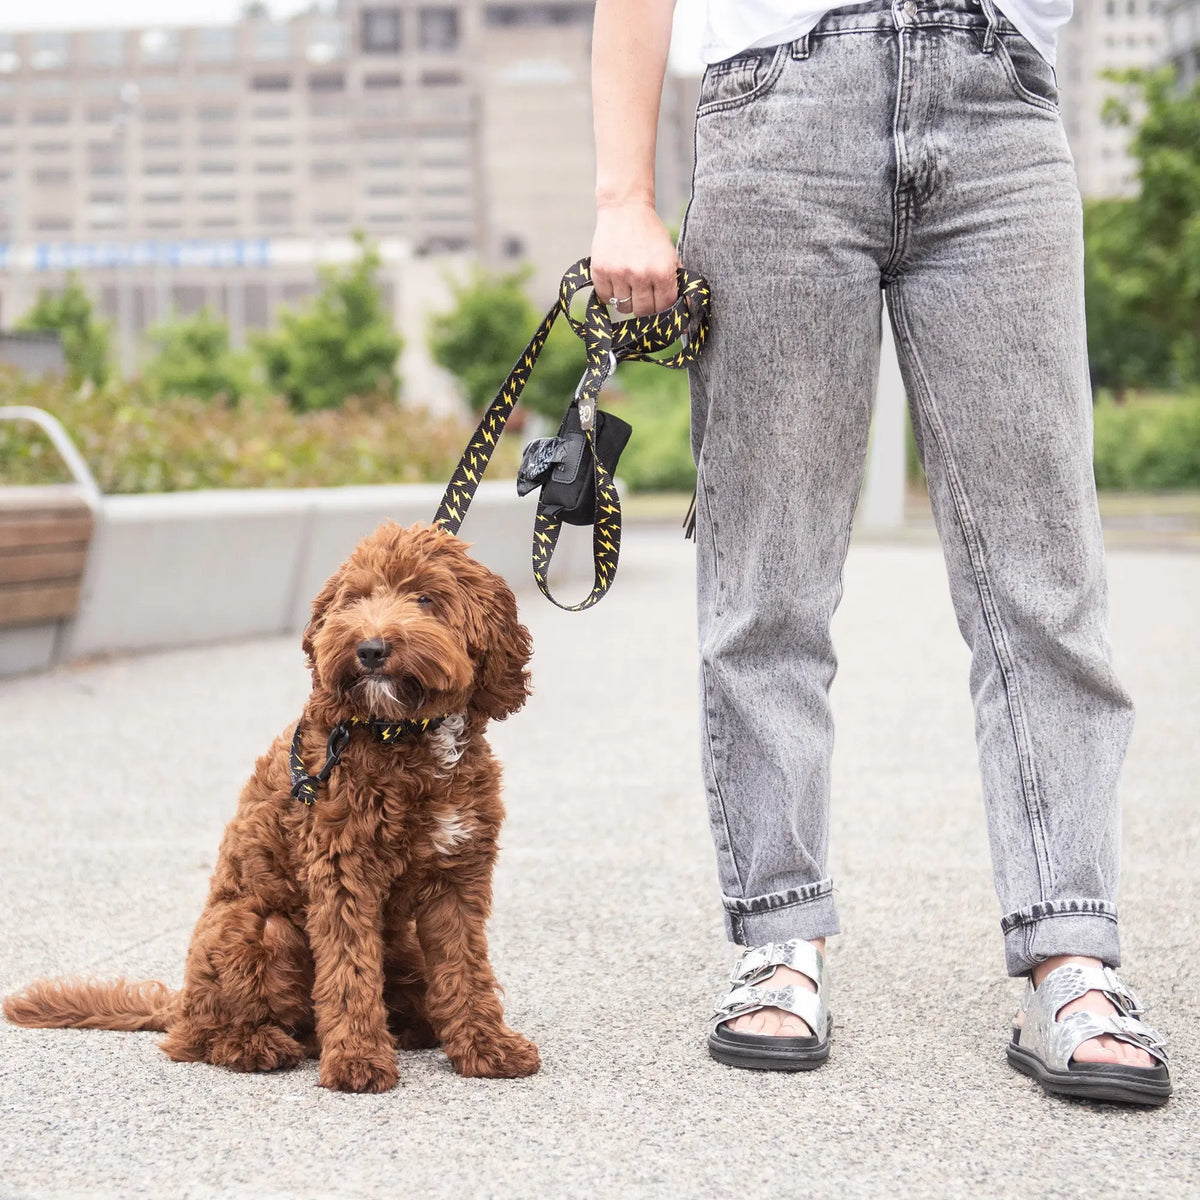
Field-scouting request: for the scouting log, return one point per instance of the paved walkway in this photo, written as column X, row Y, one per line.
column 118, row 777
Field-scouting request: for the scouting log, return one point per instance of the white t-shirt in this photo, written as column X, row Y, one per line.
column 735, row 25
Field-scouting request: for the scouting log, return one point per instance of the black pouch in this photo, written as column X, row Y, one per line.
column 562, row 466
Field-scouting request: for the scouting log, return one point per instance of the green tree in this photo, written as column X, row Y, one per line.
column 341, row 344
column 84, row 336
column 480, row 338
column 1144, row 252
column 193, row 358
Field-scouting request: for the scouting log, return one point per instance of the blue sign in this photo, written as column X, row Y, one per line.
column 193, row 252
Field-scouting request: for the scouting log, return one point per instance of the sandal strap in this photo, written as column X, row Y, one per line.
column 800, row 1002
column 1067, row 1035
column 757, row 962
column 1055, row 1041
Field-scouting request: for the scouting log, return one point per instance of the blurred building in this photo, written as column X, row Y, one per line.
column 1183, row 39
column 1105, row 35
column 219, row 165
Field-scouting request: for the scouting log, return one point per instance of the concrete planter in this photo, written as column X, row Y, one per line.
column 185, row 568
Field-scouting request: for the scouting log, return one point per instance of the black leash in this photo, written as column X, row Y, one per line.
column 636, row 339
column 306, row 786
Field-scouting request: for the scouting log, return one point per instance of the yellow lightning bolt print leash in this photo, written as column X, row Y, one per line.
column 635, row 339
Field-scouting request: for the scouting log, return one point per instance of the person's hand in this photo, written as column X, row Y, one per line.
column 634, row 259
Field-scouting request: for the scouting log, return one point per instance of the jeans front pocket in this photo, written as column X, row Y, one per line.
column 736, row 81
column 1032, row 77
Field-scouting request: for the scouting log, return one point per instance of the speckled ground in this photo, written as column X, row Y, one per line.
column 116, row 779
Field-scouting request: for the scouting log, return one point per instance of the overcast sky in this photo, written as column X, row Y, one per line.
column 92, row 14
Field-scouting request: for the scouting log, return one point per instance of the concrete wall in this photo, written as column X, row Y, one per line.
column 192, row 567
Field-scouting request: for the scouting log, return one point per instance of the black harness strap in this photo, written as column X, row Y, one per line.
column 635, row 339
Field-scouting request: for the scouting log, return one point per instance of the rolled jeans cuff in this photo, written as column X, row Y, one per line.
column 1054, row 927
column 806, row 912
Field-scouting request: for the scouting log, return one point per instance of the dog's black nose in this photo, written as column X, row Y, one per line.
column 373, row 653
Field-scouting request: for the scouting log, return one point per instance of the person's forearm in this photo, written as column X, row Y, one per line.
column 630, row 42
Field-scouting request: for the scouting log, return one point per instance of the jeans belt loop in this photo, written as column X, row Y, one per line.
column 989, row 38
column 802, row 47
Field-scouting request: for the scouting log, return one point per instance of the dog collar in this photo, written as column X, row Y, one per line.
column 305, row 786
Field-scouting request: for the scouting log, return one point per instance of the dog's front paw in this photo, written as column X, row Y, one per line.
column 376, row 1072
column 507, row 1055
column 262, row 1048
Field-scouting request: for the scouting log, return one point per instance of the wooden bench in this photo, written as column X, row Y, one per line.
column 44, row 538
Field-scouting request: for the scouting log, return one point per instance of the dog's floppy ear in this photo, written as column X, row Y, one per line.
column 320, row 607
column 498, row 643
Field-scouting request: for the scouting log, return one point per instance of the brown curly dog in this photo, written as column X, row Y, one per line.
column 354, row 926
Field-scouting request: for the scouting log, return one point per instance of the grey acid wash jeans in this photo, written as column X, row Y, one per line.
column 911, row 150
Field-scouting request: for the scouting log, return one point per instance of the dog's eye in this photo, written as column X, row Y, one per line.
column 424, row 601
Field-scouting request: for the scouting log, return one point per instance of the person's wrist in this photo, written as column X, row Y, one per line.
column 607, row 199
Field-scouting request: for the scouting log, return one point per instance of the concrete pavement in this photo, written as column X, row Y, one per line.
column 116, row 779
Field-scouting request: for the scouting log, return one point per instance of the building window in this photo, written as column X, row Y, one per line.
column 224, row 113
column 218, row 197
column 160, row 116
column 162, row 198
column 216, row 44
column 52, row 224
column 441, row 78
column 218, row 168
column 378, row 83
column 331, row 218
column 50, row 51
column 217, row 82
column 271, row 114
column 272, row 168
column 278, row 139
column 386, row 189
column 271, row 83
column 217, row 141
column 52, row 175
column 327, row 83
column 50, row 147
column 439, row 29
column 269, row 41
column 49, row 116
column 163, row 169
column 329, row 168
column 381, row 31
column 501, row 15
column 160, row 143
column 218, row 223
column 326, row 41
column 10, row 60
column 159, row 46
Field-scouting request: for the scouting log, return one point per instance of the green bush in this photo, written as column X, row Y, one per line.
column 84, row 336
column 136, row 442
column 479, row 339
column 654, row 400
column 193, row 358
column 1148, row 443
column 340, row 344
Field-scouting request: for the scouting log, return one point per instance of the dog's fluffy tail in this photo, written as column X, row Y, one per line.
column 87, row 1004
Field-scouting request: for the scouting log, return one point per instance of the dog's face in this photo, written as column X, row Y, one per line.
column 412, row 626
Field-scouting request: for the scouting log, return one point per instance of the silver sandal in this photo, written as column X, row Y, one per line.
column 760, row 1051
column 1042, row 1045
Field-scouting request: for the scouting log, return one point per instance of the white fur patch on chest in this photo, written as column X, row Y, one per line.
column 447, row 743
column 451, row 830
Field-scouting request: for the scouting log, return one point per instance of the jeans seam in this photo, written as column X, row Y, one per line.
column 702, row 492
column 996, row 633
